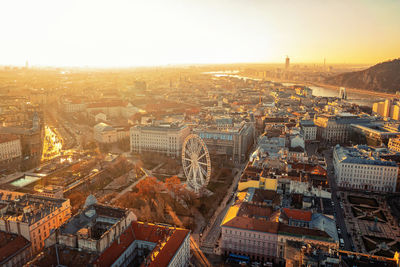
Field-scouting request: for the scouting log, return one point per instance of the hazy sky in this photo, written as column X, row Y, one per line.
column 157, row 32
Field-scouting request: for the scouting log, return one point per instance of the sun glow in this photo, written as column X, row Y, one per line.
column 158, row 32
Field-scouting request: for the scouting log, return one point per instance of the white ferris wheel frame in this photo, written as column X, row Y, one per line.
column 196, row 162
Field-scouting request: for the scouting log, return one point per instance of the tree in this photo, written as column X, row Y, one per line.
column 148, row 187
column 174, row 185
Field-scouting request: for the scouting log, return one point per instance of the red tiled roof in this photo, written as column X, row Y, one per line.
column 145, row 232
column 301, row 215
column 11, row 244
column 259, row 225
column 112, row 253
column 168, row 251
column 7, row 138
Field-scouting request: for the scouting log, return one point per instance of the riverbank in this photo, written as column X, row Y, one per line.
column 337, row 88
column 356, row 90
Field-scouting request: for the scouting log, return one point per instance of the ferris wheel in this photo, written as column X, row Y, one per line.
column 196, row 162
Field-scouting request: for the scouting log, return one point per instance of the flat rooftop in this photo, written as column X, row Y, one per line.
column 97, row 218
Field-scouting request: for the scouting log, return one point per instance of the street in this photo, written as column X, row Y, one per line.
column 212, row 234
column 340, row 221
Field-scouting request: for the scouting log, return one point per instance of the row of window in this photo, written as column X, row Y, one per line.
column 239, row 233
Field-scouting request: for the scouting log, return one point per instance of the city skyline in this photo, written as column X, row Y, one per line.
column 150, row 33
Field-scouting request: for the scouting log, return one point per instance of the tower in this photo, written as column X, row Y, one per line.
column 35, row 121
column 342, row 93
column 287, row 63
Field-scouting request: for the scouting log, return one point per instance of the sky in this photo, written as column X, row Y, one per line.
column 123, row 33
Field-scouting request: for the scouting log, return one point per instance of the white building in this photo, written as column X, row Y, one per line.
column 309, row 130
column 361, row 167
column 73, row 105
column 163, row 138
column 104, row 133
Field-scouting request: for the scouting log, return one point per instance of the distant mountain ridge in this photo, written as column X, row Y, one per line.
column 383, row 77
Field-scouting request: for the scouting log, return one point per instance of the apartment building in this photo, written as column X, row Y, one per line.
column 394, row 144
column 10, row 151
column 32, row 216
column 309, row 130
column 361, row 167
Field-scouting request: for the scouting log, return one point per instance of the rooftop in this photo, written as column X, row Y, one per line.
column 10, row 245
column 167, row 241
column 26, row 207
column 160, row 127
column 301, row 231
column 254, row 224
column 7, row 138
column 362, row 154
column 295, row 214
column 66, row 257
column 98, row 218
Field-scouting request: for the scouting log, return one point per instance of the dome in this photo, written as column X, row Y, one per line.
column 90, row 200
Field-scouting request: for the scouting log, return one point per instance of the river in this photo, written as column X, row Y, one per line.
column 362, row 99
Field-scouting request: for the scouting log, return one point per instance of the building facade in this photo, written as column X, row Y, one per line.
column 251, row 237
column 166, row 139
column 32, row 216
column 337, row 129
column 233, row 143
column 15, row 250
column 10, row 151
column 309, row 130
column 394, row 144
column 104, row 133
column 361, row 167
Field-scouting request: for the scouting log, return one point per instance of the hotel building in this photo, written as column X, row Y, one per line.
column 164, row 138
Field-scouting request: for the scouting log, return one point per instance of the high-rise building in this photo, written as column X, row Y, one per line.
column 287, row 63
column 342, row 93
column 386, row 110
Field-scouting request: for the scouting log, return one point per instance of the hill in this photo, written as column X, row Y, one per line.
column 383, row 77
